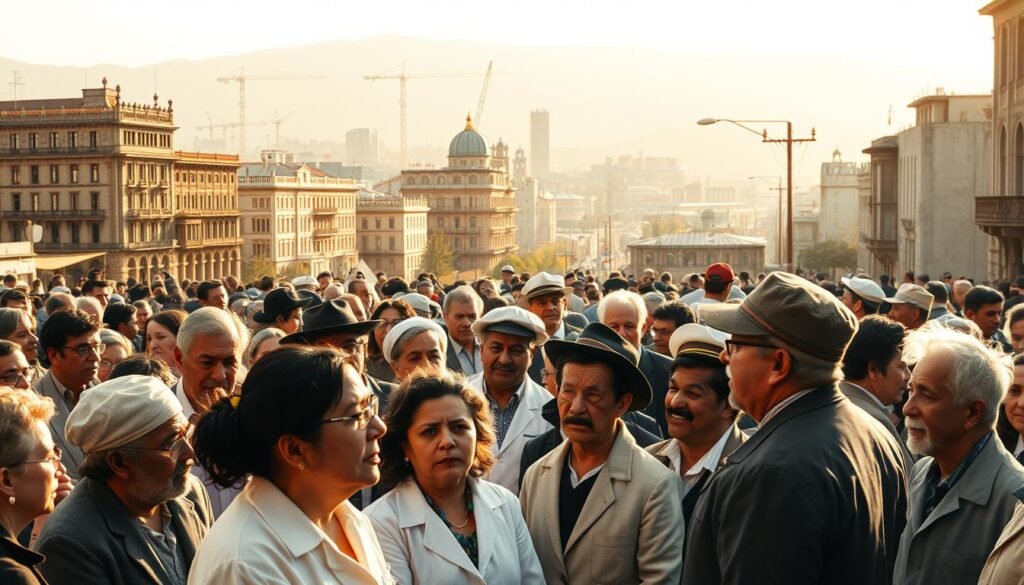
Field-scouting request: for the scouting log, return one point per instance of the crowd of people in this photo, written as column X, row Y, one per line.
column 530, row 429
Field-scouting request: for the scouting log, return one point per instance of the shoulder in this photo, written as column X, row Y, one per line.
column 12, row 573
column 650, row 468
column 655, row 449
column 385, row 506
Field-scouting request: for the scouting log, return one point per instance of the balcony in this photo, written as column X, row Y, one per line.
column 56, row 214
column 191, row 244
column 1000, row 214
column 104, row 247
column 324, row 232
column 147, row 213
column 200, row 213
column 51, row 152
column 325, row 210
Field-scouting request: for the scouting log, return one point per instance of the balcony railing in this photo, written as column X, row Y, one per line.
column 184, row 213
column 59, row 151
column 54, row 214
column 999, row 211
column 325, row 210
column 134, row 213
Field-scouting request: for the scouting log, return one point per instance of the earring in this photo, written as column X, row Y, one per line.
column 11, row 500
column 302, row 466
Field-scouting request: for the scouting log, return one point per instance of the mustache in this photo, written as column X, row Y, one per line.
column 511, row 368
column 578, row 420
column 683, row 412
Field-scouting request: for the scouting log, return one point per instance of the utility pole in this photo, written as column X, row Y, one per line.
column 15, row 83
column 789, row 140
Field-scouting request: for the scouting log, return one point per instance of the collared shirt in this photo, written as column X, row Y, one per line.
column 470, row 362
column 70, row 398
column 1020, row 446
column 503, row 416
column 165, row 544
column 560, row 334
column 780, row 406
column 220, row 497
column 936, row 488
column 575, row 479
column 707, row 464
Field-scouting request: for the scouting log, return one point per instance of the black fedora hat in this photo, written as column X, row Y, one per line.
column 279, row 303
column 329, row 317
column 602, row 343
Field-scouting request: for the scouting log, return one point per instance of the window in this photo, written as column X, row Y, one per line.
column 15, row 175
column 94, row 201
column 34, row 172
column 55, row 233
column 14, row 142
column 74, row 173
column 53, row 140
column 95, row 233
column 391, row 243
column 72, row 139
column 365, row 223
column 94, row 173
column 376, row 222
column 35, row 202
column 16, row 201
column 74, row 233
column 93, row 139
column 15, row 231
column 391, row 222
column 54, row 201
column 54, row 174
column 73, row 196
column 33, row 141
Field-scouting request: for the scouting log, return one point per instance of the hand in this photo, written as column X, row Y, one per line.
column 64, row 485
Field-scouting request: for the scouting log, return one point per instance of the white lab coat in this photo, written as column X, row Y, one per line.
column 526, row 424
column 421, row 549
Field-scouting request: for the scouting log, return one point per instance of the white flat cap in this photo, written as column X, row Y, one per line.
column 914, row 294
column 698, row 340
column 305, row 281
column 513, row 321
column 507, row 268
column 60, row 289
column 864, row 288
column 412, row 323
column 119, row 411
column 420, row 303
column 543, row 283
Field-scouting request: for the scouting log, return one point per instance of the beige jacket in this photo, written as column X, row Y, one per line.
column 631, row 527
column 1005, row 566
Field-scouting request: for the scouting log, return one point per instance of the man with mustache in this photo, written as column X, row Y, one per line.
column 818, row 493
column 138, row 515
column 701, row 421
column 461, row 308
column 544, row 296
column 508, row 337
column 964, row 489
column 208, row 354
column 599, row 508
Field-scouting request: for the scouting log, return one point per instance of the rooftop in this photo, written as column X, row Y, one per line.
column 701, row 239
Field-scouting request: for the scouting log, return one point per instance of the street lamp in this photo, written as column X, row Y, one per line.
column 778, row 230
column 789, row 140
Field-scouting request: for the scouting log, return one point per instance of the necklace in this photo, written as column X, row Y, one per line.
column 444, row 518
column 459, row 526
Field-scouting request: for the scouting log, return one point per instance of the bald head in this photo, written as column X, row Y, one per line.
column 960, row 290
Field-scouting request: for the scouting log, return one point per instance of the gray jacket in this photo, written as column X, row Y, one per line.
column 950, row 546
column 71, row 455
column 869, row 404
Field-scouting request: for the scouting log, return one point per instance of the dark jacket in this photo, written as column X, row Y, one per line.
column 571, row 334
column 816, row 496
column 18, row 565
column 657, row 369
column 642, row 427
column 382, row 390
column 91, row 538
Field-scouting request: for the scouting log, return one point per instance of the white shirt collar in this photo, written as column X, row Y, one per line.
column 1020, row 446
column 780, row 406
column 186, row 407
column 708, row 462
column 560, row 334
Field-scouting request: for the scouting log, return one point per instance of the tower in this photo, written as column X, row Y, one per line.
column 519, row 167
column 540, row 143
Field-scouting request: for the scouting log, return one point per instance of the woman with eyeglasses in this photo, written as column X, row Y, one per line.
column 305, row 430
column 441, row 523
column 15, row 371
column 116, row 349
column 30, row 474
column 390, row 313
column 20, row 327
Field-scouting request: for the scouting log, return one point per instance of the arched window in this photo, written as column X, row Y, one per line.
column 441, row 180
column 1001, row 171
column 670, row 259
column 473, row 180
column 1018, row 160
column 410, row 181
column 424, row 180
column 457, row 180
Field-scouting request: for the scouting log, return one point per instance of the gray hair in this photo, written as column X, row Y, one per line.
column 464, row 294
column 396, row 351
column 97, row 309
column 111, row 337
column 623, row 298
column 57, row 301
column 977, row 372
column 207, row 321
column 257, row 340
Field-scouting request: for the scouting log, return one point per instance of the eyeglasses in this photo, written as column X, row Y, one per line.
column 353, row 345
column 544, row 374
column 11, row 378
column 389, row 324
column 84, row 349
column 53, row 458
column 731, row 345
column 362, row 418
column 174, row 450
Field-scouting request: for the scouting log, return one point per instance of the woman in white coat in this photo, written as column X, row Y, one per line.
column 441, row 524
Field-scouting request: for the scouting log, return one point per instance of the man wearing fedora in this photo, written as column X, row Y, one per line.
column 599, row 508
column 701, row 422
column 911, row 305
column 508, row 337
column 282, row 308
column 544, row 296
column 818, row 494
column 861, row 295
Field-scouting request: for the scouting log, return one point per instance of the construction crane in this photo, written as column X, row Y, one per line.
column 483, row 95
column 240, row 78
column 224, row 128
column 402, row 77
column 277, row 126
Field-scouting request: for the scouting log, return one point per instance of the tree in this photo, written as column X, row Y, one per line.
column 829, row 254
column 439, row 257
column 253, row 269
column 549, row 258
column 661, row 225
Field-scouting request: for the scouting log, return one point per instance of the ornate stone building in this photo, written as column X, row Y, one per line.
column 392, row 232
column 296, row 217
column 95, row 173
column 472, row 200
column 683, row 253
column 206, row 218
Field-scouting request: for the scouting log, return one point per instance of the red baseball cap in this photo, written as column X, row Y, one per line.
column 719, row 271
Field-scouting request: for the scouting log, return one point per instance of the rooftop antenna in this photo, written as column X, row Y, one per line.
column 16, row 81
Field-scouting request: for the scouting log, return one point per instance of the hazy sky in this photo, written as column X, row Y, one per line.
column 139, row 32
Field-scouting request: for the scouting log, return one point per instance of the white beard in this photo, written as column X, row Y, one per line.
column 923, row 446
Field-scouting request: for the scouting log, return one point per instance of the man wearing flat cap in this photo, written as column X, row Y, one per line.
column 861, row 295
column 508, row 337
column 818, row 494
column 138, row 515
column 910, row 306
column 599, row 508
column 544, row 296
column 282, row 308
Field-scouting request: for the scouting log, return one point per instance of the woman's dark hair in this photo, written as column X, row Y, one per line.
column 402, row 407
column 140, row 364
column 288, row 392
column 403, row 308
column 171, row 320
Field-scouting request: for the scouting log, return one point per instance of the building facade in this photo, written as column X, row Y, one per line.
column 391, row 231
column 999, row 210
column 95, row 173
column 207, row 223
column 472, row 201
column 296, row 219
column 683, row 253
column 839, row 204
column 943, row 162
column 877, row 247
column 540, row 143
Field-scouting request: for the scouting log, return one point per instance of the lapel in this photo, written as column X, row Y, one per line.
column 413, row 511
column 658, row 450
column 486, row 505
column 48, row 387
column 735, row 440
column 528, row 413
column 453, row 358
column 975, row 485
column 126, row 529
column 602, row 496
column 183, row 516
column 548, row 481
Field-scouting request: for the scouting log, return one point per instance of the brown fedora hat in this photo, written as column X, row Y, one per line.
column 326, row 318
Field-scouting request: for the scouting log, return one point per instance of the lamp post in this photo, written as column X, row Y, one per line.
column 778, row 217
column 789, row 140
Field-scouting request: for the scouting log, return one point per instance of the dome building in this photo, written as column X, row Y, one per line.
column 472, row 200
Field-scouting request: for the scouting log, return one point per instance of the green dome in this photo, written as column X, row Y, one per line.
column 469, row 142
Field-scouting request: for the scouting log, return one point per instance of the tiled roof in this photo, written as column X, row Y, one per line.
column 700, row 239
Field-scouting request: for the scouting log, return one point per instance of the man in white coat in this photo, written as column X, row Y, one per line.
column 508, row 337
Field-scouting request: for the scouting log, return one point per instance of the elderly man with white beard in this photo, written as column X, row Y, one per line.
column 208, row 355
column 964, row 488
